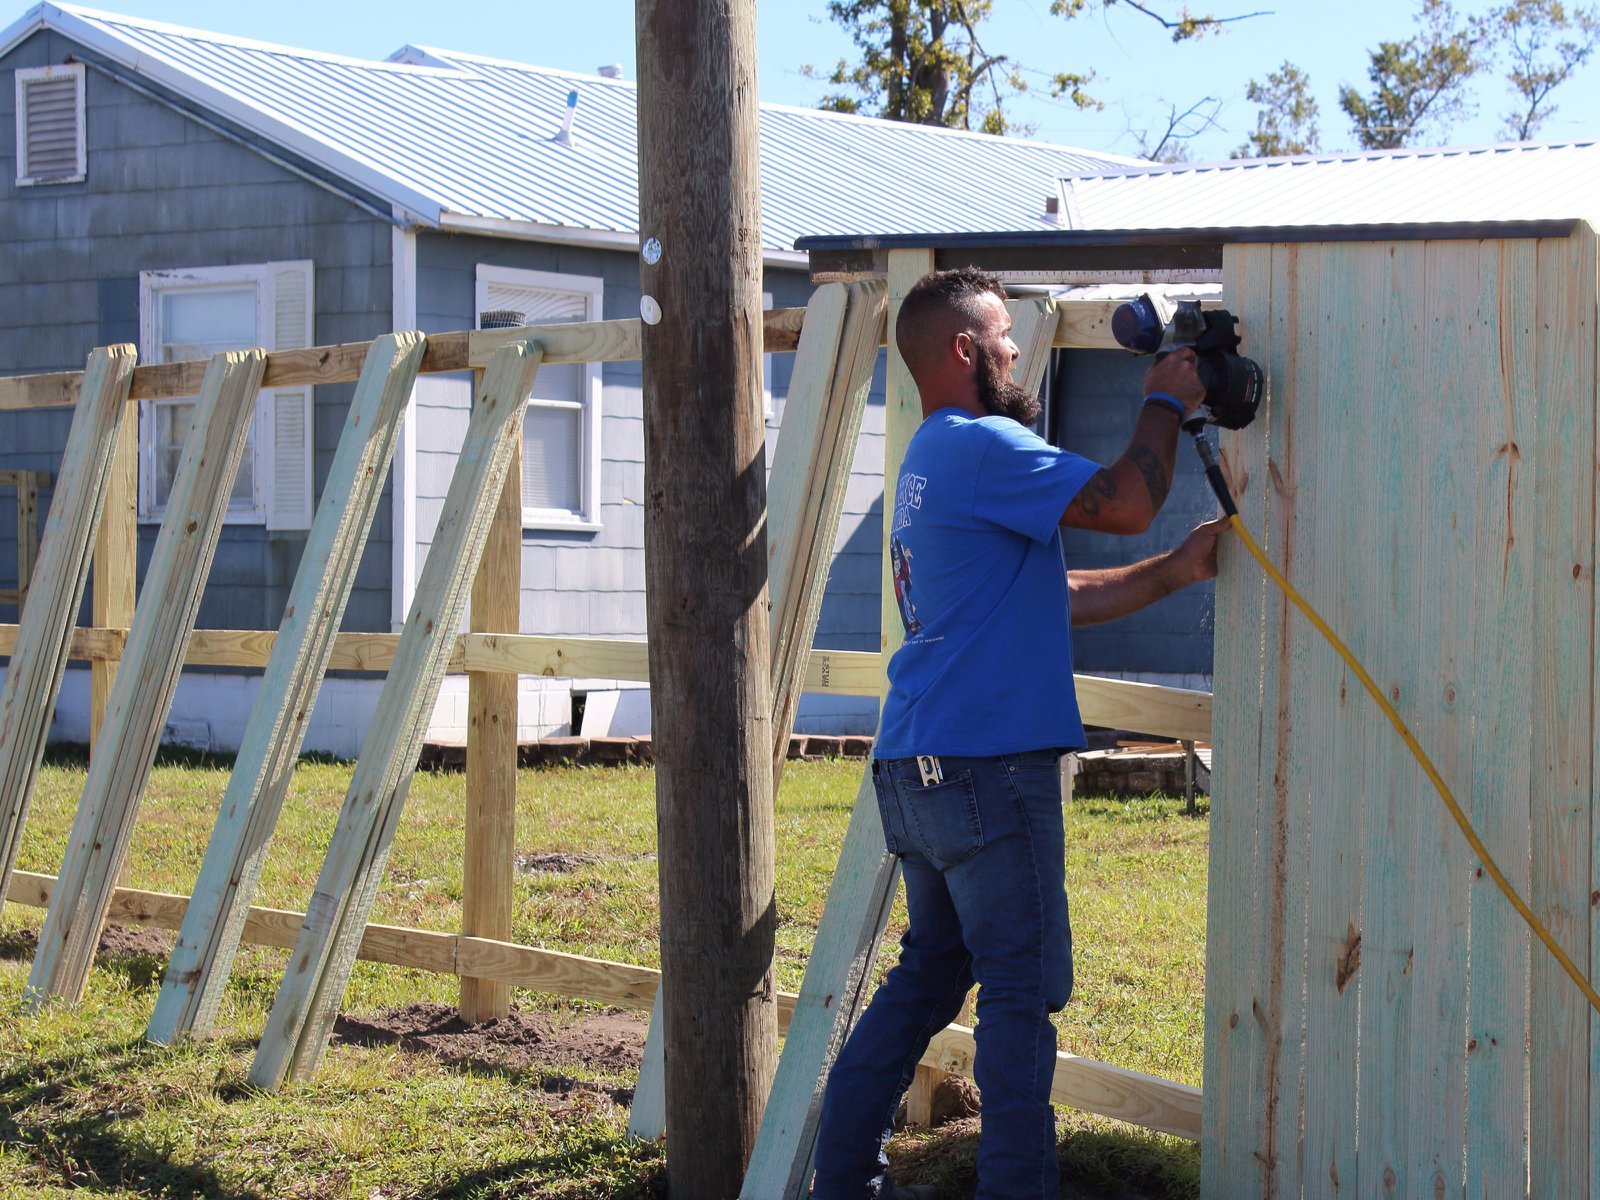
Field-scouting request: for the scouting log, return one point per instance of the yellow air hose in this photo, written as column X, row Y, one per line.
column 1218, row 485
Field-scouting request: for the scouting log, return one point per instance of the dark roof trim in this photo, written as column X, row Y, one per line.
column 1178, row 251
column 1197, row 237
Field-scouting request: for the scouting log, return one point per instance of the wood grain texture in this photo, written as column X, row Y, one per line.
column 142, row 693
column 574, row 342
column 833, row 991
column 39, row 654
column 1233, row 1127
column 302, row 1016
column 490, row 829
column 1562, row 797
column 116, row 561
column 202, row 960
column 1498, row 683
column 28, row 485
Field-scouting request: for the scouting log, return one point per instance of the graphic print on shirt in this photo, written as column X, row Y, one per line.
column 908, row 497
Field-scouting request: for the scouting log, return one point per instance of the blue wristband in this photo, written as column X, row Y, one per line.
column 1172, row 401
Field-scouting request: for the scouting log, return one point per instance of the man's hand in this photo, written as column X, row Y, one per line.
column 1176, row 375
column 1111, row 592
column 1194, row 560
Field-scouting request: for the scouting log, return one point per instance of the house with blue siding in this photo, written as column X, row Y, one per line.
column 189, row 192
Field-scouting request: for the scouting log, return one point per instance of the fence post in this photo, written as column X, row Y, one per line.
column 116, row 566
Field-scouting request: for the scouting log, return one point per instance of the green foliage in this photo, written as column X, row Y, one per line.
column 924, row 62
column 1419, row 84
column 1541, row 58
column 1287, row 120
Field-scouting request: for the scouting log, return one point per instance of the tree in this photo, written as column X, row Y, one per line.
column 1172, row 144
column 1419, row 84
column 923, row 61
column 1537, row 66
column 1287, row 120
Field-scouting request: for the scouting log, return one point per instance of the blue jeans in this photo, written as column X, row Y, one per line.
column 984, row 863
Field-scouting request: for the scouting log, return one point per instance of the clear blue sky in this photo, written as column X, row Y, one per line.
column 1139, row 71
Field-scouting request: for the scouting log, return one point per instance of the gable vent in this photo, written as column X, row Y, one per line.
column 50, row 141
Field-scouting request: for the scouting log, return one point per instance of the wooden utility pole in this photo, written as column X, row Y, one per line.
column 706, row 579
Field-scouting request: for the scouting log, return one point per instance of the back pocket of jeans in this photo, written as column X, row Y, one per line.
column 942, row 819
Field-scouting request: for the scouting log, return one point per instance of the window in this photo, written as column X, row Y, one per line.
column 193, row 314
column 50, row 141
column 561, row 429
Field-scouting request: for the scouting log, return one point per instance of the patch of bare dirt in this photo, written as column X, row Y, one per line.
column 607, row 1043
column 116, row 941
column 564, row 862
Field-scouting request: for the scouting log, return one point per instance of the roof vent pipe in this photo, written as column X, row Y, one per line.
column 565, row 136
column 613, row 71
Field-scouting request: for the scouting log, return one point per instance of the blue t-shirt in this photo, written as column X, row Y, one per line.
column 975, row 556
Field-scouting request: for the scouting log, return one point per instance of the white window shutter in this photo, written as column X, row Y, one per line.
column 50, row 111
column 286, row 459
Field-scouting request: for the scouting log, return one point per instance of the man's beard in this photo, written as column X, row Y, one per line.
column 998, row 393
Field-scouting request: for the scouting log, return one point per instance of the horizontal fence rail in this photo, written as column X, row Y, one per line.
column 1107, row 703
column 1082, row 1083
column 1084, row 325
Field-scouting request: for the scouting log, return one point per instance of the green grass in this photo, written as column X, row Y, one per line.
column 85, row 1103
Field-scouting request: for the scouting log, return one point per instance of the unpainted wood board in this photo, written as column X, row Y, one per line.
column 302, row 1016
column 1498, row 688
column 116, row 558
column 1458, row 360
column 1033, row 328
column 142, row 693
column 1294, row 687
column 39, row 657
column 1394, row 787
column 864, row 882
column 490, row 833
column 27, row 484
column 202, row 959
column 1343, row 563
column 1236, row 906
column 574, row 342
column 1562, row 795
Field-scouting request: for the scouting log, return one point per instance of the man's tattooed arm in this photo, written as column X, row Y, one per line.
column 1125, row 497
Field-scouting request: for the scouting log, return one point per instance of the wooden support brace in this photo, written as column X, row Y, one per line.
column 202, row 960
column 489, row 871
column 810, row 472
column 302, row 1016
column 39, row 657
column 144, row 686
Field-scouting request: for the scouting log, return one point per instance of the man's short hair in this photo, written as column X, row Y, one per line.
column 940, row 305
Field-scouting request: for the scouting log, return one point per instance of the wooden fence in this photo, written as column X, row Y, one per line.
column 28, row 485
column 836, row 340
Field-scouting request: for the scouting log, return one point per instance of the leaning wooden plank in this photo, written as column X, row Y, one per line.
column 1082, row 1083
column 301, row 1018
column 1033, row 329
column 202, row 959
column 811, row 469
column 39, row 659
column 144, row 686
column 864, row 882
column 574, row 342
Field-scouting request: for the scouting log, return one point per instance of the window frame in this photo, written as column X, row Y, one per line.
column 153, row 284
column 26, row 75
column 586, row 519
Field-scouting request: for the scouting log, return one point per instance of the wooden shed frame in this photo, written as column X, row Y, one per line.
column 1424, row 470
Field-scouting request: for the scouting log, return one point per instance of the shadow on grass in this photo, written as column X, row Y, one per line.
column 1096, row 1164
column 89, row 1151
column 139, row 969
column 594, row 1168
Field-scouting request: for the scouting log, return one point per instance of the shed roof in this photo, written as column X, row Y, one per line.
column 465, row 142
column 1526, row 181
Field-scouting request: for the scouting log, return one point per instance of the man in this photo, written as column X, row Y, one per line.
column 980, row 707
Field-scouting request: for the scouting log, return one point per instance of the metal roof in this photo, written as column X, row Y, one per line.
column 1515, row 182
column 461, row 141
